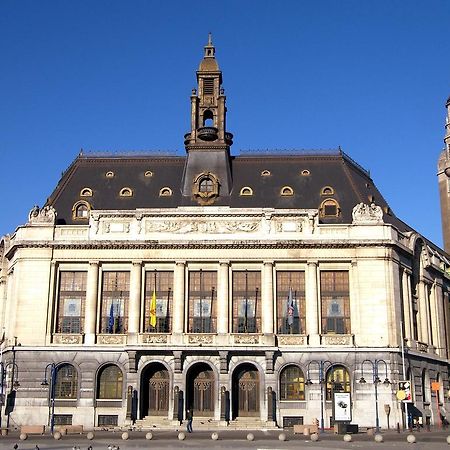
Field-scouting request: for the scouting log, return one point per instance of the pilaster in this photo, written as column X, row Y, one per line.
column 178, row 297
column 267, row 298
column 312, row 304
column 223, row 298
column 91, row 303
column 135, row 302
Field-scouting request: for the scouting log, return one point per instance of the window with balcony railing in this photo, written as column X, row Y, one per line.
column 114, row 303
column 291, row 314
column 158, row 301
column 246, row 302
column 202, row 301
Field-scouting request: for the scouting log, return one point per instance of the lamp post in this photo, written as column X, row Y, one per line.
column 51, row 392
column 13, row 385
column 376, row 380
column 322, row 366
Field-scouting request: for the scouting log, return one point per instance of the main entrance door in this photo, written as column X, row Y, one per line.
column 155, row 391
column 246, row 391
column 201, row 390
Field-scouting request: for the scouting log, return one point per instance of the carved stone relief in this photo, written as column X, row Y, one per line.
column 46, row 215
column 367, row 214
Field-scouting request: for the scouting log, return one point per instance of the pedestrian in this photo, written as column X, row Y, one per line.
column 189, row 417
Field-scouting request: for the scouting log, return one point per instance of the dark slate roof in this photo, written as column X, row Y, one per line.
column 350, row 182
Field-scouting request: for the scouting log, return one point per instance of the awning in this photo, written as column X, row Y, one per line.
column 413, row 411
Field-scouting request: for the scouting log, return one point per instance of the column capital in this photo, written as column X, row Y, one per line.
column 136, row 263
column 266, row 263
column 312, row 262
column 180, row 263
column 224, row 262
column 94, row 263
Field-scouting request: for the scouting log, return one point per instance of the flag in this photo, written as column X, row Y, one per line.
column 290, row 308
column 111, row 319
column 153, row 310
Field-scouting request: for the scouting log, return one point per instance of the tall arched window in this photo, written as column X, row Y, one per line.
column 292, row 383
column 338, row 380
column 66, row 382
column 109, row 383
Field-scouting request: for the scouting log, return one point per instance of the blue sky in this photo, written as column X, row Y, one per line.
column 370, row 76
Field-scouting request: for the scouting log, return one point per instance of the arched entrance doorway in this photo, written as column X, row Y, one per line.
column 200, row 390
column 155, row 391
column 245, row 391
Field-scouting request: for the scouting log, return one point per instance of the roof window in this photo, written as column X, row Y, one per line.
column 148, row 173
column 286, row 191
column 109, row 174
column 329, row 208
column 126, row 192
column 327, row 190
column 265, row 173
column 86, row 192
column 305, row 173
column 165, row 192
column 246, row 191
column 80, row 210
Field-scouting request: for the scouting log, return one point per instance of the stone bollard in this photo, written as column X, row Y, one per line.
column 250, row 437
column 57, row 435
column 90, row 435
column 347, row 438
column 149, row 436
column 23, row 436
column 411, row 439
column 378, row 438
column 125, row 436
column 315, row 437
column 448, row 440
column 181, row 436
column 282, row 437
column 215, row 436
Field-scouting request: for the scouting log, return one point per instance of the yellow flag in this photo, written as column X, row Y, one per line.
column 153, row 310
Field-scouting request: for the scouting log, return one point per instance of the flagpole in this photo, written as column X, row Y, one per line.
column 246, row 301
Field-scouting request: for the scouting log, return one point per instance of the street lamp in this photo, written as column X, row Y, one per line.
column 14, row 383
column 51, row 392
column 376, row 380
column 322, row 366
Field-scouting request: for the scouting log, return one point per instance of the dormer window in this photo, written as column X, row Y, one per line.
column 205, row 188
column 148, row 173
column 327, row 190
column 126, row 192
column 286, row 191
column 246, row 191
column 329, row 208
column 165, row 192
column 80, row 210
column 86, row 192
column 265, row 173
column 109, row 174
column 305, row 173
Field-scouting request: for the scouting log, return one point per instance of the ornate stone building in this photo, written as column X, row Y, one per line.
column 251, row 288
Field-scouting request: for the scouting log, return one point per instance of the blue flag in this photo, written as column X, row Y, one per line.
column 290, row 308
column 111, row 319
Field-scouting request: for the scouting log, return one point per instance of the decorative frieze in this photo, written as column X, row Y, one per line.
column 154, row 338
column 291, row 340
column 245, row 339
column 111, row 339
column 336, row 339
column 201, row 226
column 68, row 339
column 200, row 339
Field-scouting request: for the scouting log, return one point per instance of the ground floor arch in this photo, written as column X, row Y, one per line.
column 154, row 392
column 245, row 391
column 200, row 381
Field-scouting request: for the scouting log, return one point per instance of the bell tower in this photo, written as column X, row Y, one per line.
column 207, row 173
column 444, row 181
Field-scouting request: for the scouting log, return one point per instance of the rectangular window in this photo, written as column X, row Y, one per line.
column 202, row 301
column 63, row 419
column 291, row 314
column 71, row 302
column 335, row 302
column 115, row 298
column 107, row 420
column 246, row 302
column 158, row 317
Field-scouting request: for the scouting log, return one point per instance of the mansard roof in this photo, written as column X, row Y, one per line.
column 309, row 177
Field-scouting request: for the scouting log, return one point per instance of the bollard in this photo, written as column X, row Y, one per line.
column 314, row 437
column 181, row 436
column 23, row 436
column 448, row 440
column 149, row 436
column 90, row 435
column 125, row 435
column 215, row 436
column 57, row 435
column 398, row 427
column 250, row 437
column 411, row 439
column 282, row 437
column 378, row 438
column 347, row 438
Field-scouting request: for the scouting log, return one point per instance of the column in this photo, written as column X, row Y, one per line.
column 435, row 330
column 91, row 303
column 135, row 302
column 406, row 306
column 440, row 343
column 178, row 297
column 267, row 298
column 312, row 304
column 423, row 313
column 222, row 297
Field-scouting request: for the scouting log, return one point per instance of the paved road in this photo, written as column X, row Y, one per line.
column 236, row 440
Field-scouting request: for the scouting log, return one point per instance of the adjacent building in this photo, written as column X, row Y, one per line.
column 252, row 288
